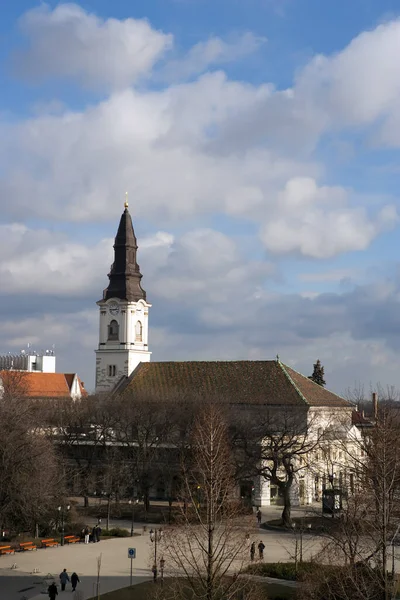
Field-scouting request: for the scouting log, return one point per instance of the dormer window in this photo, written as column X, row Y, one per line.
column 139, row 331
column 113, row 331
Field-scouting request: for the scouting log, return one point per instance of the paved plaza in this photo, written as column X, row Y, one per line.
column 35, row 570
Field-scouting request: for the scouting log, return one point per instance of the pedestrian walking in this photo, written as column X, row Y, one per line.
column 258, row 515
column 74, row 581
column 86, row 532
column 261, row 547
column 252, row 551
column 52, row 591
column 98, row 533
column 94, row 534
column 64, row 578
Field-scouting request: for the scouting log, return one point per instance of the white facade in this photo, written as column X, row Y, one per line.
column 331, row 463
column 42, row 362
column 123, row 341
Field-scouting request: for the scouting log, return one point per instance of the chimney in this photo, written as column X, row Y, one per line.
column 375, row 405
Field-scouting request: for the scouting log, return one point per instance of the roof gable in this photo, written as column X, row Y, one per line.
column 315, row 394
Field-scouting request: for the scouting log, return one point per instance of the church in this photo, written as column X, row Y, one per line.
column 123, row 364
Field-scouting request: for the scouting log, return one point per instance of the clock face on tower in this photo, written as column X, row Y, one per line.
column 113, row 308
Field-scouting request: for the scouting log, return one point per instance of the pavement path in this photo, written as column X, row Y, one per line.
column 35, row 570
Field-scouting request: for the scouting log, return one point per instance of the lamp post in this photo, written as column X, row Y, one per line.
column 63, row 510
column 132, row 503
column 155, row 537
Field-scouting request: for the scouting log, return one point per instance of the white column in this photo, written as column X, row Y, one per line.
column 262, row 492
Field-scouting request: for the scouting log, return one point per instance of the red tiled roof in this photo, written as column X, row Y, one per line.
column 241, row 382
column 39, row 385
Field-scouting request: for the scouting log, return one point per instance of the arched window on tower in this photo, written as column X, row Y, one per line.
column 139, row 332
column 113, row 331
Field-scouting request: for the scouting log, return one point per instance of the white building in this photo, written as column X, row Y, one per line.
column 30, row 361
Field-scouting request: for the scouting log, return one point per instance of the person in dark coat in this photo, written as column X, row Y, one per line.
column 261, row 547
column 98, row 533
column 258, row 515
column 64, row 578
column 52, row 591
column 94, row 534
column 74, row 580
column 252, row 551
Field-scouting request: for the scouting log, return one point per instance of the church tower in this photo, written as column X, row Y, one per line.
column 124, row 313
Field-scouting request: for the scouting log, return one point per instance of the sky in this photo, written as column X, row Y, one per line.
column 259, row 144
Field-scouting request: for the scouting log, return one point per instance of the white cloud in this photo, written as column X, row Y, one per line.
column 317, row 221
column 70, row 42
column 215, row 51
column 156, row 145
column 359, row 84
column 39, row 262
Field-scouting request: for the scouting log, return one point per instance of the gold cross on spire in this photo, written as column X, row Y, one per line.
column 126, row 200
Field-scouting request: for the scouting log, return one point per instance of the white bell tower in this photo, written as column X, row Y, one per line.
column 124, row 314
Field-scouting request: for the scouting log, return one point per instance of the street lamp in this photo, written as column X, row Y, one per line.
column 63, row 510
column 155, row 537
column 132, row 503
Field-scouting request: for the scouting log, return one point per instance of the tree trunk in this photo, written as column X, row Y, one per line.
column 146, row 503
column 86, row 501
column 108, row 511
column 287, row 506
column 210, row 565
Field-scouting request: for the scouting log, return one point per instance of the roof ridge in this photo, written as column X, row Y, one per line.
column 319, row 386
column 292, row 382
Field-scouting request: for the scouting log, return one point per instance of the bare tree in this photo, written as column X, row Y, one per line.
column 208, row 547
column 30, row 473
column 358, row 546
column 142, row 427
column 275, row 444
column 81, row 431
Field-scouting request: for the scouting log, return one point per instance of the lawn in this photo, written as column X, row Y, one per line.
column 144, row 591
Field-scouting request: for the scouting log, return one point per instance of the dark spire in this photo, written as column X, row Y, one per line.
column 125, row 273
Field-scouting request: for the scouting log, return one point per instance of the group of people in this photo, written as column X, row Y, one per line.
column 96, row 533
column 261, row 548
column 64, row 579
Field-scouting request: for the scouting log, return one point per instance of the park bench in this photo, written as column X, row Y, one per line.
column 72, row 539
column 27, row 546
column 48, row 543
column 6, row 550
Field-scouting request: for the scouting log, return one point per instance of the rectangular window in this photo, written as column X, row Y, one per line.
column 112, row 370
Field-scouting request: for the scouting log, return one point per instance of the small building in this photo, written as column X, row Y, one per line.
column 33, row 384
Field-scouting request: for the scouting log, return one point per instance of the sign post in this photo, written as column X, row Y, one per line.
column 131, row 555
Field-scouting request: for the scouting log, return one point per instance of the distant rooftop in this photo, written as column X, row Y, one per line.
column 29, row 360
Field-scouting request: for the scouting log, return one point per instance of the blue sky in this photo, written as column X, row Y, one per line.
column 259, row 142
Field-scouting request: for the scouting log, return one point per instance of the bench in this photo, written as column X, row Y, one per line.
column 72, row 539
column 6, row 550
column 48, row 543
column 27, row 546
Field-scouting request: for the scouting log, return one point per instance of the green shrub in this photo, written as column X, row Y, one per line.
column 279, row 570
column 115, row 532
